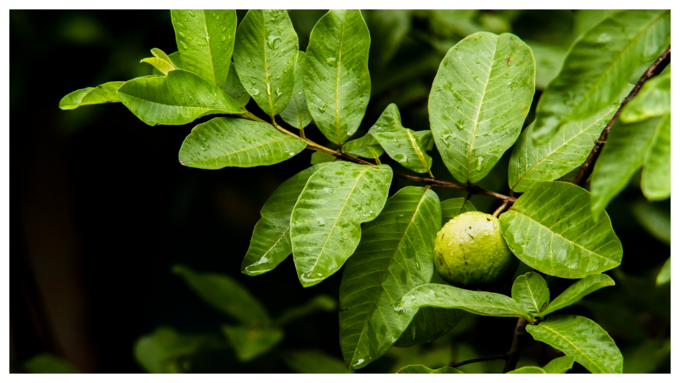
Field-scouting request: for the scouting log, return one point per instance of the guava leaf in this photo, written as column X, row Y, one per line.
column 402, row 144
column 531, row 291
column 205, row 39
column 366, row 146
column 176, row 99
column 420, row 369
column 655, row 219
column 321, row 157
column 159, row 351
column 578, row 290
column 582, row 339
column 249, row 343
column 549, row 58
column 653, row 100
column 296, row 113
column 100, row 94
column 598, row 67
column 313, row 362
column 337, row 83
column 270, row 243
column 622, row 156
column 455, row 206
column 226, row 295
column 393, row 257
column 314, row 305
column 223, row 142
column 156, row 52
column 326, row 220
column 656, row 171
column 450, row 297
column 389, row 28
column 531, row 162
column 528, row 370
column 264, row 56
column 585, row 19
column 551, row 229
column 479, row 100
column 665, row 273
column 163, row 66
column 559, row 365
column 234, row 88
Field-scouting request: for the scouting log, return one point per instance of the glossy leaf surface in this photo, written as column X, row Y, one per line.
column 264, row 56
column 223, row 142
column 528, row 370
column 402, row 144
column 313, row 362
column 531, row 291
column 420, row 369
column 366, row 146
column 161, row 65
column 559, row 365
column 455, row 206
column 656, row 171
column 249, row 343
column 582, row 339
column 476, row 302
column 321, row 157
column 326, row 220
column 176, row 99
column 270, row 243
column 653, row 100
column 479, row 100
column 205, row 39
column 578, row 290
column 393, row 257
column 100, row 94
column 226, row 295
column 598, row 67
column 621, row 157
column 234, row 88
column 296, row 113
column 336, row 79
column 551, row 229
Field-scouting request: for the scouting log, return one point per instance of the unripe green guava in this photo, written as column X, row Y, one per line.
column 469, row 251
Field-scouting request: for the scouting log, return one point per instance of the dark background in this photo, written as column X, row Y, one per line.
column 100, row 208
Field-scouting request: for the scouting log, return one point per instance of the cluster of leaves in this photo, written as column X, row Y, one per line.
column 337, row 213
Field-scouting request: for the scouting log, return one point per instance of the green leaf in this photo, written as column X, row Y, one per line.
column 528, row 370
column 559, row 365
column 176, row 99
column 163, row 66
column 156, row 52
column 296, row 113
column 622, row 156
column 270, row 243
column 160, row 351
column 101, row 94
column 455, row 206
column 581, row 338
column 249, row 343
column 479, row 100
column 205, row 39
column 578, row 290
column 235, row 89
column 321, row 157
column 665, row 273
column 402, row 144
column 585, row 19
column 264, row 55
column 549, row 58
column 366, row 146
column 655, row 219
column 49, row 364
column 551, row 229
column 389, row 28
column 223, row 142
column 531, row 162
column 313, row 362
column 394, row 256
column 226, row 295
column 656, row 171
column 326, row 220
column 337, row 83
column 450, row 297
column 531, row 291
column 420, row 369
column 653, row 100
column 598, row 67
column 317, row 304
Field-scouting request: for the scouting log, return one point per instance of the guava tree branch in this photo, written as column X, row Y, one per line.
column 587, row 166
column 513, row 353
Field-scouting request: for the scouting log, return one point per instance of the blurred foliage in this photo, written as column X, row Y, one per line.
column 184, row 335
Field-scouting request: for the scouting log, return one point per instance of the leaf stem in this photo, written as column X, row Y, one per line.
column 500, row 208
column 588, row 165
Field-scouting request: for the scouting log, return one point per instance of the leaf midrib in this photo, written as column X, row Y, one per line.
column 417, row 149
column 245, row 150
column 573, row 345
column 337, row 81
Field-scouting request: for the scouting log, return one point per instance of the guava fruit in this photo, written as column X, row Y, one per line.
column 470, row 253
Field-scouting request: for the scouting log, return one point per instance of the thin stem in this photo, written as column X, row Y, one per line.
column 588, row 165
column 483, row 359
column 513, row 353
column 500, row 208
column 302, row 133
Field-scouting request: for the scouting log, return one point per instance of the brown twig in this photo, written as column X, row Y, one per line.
column 653, row 70
column 483, row 359
column 513, row 354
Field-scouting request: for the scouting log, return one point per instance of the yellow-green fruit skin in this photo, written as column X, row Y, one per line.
column 469, row 251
